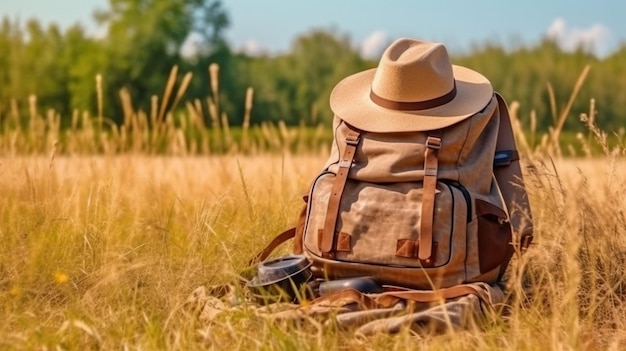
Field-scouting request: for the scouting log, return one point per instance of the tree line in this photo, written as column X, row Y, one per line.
column 144, row 39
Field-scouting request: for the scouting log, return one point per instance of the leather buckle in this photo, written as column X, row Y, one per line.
column 433, row 143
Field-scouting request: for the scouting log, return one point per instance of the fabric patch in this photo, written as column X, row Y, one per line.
column 406, row 248
column 344, row 242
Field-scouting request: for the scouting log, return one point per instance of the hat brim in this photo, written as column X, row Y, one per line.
column 350, row 101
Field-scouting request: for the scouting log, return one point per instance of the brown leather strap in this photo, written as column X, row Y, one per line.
column 413, row 105
column 433, row 144
column 298, row 242
column 295, row 232
column 279, row 239
column 346, row 297
column 327, row 240
column 394, row 294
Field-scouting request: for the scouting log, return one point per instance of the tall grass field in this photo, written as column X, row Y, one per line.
column 105, row 233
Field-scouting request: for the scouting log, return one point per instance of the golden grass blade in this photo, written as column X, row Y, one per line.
column 214, row 78
column 245, row 143
column 192, row 113
column 182, row 89
column 154, row 108
column 169, row 87
column 248, row 107
column 566, row 110
column 32, row 107
column 100, row 99
column 228, row 138
column 128, row 111
column 552, row 100
column 212, row 106
column 200, row 114
column 533, row 127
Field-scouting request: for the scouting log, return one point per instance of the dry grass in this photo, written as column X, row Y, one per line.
column 106, row 230
column 571, row 283
column 168, row 128
column 102, row 252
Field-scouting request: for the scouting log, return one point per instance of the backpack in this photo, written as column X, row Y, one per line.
column 419, row 210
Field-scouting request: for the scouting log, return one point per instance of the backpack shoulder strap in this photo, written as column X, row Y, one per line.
column 508, row 174
column 294, row 232
column 278, row 239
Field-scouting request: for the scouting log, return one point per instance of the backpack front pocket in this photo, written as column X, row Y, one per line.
column 379, row 224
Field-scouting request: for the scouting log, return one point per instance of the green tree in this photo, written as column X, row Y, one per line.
column 528, row 74
column 84, row 59
column 47, row 64
column 8, row 43
column 320, row 60
column 35, row 68
column 145, row 38
column 296, row 86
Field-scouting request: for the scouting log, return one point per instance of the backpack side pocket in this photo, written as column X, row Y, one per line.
column 494, row 235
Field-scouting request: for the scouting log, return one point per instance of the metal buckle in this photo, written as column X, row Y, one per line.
column 433, row 143
column 502, row 158
column 354, row 141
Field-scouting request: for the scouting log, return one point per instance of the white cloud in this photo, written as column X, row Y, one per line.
column 374, row 44
column 595, row 38
column 557, row 28
column 252, row 47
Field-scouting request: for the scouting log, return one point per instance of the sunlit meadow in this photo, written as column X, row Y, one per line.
column 106, row 232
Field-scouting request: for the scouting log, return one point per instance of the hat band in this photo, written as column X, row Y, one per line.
column 415, row 105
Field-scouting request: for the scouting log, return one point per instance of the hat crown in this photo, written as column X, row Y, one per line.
column 414, row 88
column 413, row 71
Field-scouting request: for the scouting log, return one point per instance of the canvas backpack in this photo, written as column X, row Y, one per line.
column 419, row 210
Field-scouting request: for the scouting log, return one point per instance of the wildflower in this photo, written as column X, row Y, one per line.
column 60, row 277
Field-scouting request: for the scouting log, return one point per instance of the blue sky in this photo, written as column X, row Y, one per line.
column 272, row 25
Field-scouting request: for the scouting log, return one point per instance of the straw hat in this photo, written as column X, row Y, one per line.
column 414, row 88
